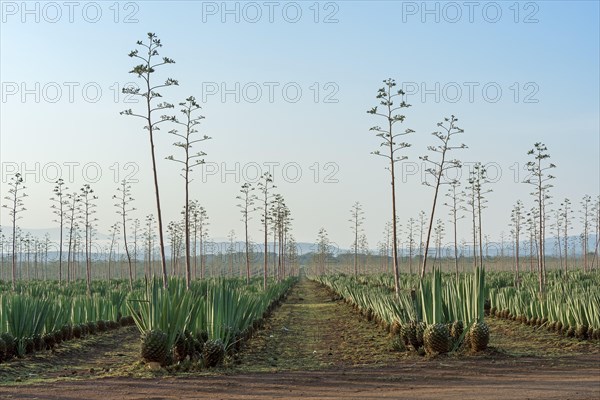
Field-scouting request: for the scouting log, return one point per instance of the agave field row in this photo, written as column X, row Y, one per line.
column 439, row 316
column 445, row 312
column 40, row 315
column 212, row 317
column 569, row 304
column 570, row 307
column 202, row 323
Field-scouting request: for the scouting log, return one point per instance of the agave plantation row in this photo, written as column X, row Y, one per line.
column 570, row 307
column 202, row 322
column 438, row 316
column 40, row 315
column 445, row 312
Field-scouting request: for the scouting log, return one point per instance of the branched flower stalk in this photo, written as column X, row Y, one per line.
column 145, row 70
column 438, row 170
column 390, row 141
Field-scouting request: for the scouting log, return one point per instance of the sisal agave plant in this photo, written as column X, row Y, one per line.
column 436, row 337
column 161, row 314
column 479, row 333
column 25, row 317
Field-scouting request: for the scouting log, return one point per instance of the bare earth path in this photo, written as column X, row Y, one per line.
column 313, row 347
column 313, row 331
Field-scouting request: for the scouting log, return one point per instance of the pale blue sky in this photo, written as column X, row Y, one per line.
column 554, row 61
